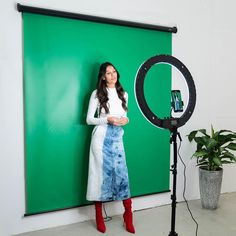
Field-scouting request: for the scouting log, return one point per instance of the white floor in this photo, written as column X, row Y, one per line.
column 156, row 222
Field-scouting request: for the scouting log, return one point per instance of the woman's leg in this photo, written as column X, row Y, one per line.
column 99, row 217
column 128, row 215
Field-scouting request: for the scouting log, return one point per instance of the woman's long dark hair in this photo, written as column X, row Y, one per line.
column 102, row 93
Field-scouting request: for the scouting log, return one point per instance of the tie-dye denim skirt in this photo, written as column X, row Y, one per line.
column 108, row 175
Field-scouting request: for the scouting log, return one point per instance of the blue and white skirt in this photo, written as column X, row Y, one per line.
column 108, row 175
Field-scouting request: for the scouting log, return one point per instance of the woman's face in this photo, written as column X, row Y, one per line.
column 110, row 76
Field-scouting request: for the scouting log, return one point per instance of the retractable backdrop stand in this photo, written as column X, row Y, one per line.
column 62, row 52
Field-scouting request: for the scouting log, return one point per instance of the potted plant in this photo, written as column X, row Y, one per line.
column 213, row 150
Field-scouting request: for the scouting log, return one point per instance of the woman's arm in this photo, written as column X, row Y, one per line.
column 126, row 98
column 93, row 106
column 124, row 119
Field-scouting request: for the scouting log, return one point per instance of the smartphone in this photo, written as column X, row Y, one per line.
column 176, row 101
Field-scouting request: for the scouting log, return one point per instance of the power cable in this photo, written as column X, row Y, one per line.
column 106, row 218
column 185, row 181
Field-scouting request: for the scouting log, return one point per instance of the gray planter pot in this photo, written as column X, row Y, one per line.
column 210, row 187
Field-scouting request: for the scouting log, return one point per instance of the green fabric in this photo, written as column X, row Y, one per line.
column 61, row 61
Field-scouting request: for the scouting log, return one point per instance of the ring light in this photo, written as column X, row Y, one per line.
column 169, row 122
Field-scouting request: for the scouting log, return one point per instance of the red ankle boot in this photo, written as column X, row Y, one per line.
column 128, row 216
column 99, row 218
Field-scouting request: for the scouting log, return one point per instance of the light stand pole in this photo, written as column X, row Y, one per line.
column 171, row 123
column 174, row 134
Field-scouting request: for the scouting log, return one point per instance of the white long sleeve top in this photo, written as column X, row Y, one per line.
column 114, row 104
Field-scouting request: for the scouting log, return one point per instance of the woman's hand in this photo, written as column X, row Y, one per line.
column 117, row 121
column 123, row 121
column 111, row 120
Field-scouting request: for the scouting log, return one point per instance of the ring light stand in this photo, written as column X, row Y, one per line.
column 171, row 123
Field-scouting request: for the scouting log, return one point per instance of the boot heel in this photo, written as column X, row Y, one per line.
column 101, row 227
column 128, row 224
column 128, row 216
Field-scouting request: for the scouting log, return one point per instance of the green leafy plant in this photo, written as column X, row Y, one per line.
column 215, row 149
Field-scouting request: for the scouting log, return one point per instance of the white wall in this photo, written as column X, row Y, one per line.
column 205, row 42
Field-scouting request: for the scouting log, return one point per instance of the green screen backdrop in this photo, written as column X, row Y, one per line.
column 61, row 61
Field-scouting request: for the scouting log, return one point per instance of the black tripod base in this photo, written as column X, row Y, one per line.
column 173, row 234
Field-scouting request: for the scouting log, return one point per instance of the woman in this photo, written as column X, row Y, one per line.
column 108, row 175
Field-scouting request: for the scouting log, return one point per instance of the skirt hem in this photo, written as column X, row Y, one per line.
column 107, row 200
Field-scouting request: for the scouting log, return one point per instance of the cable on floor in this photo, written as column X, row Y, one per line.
column 185, row 180
column 106, row 218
